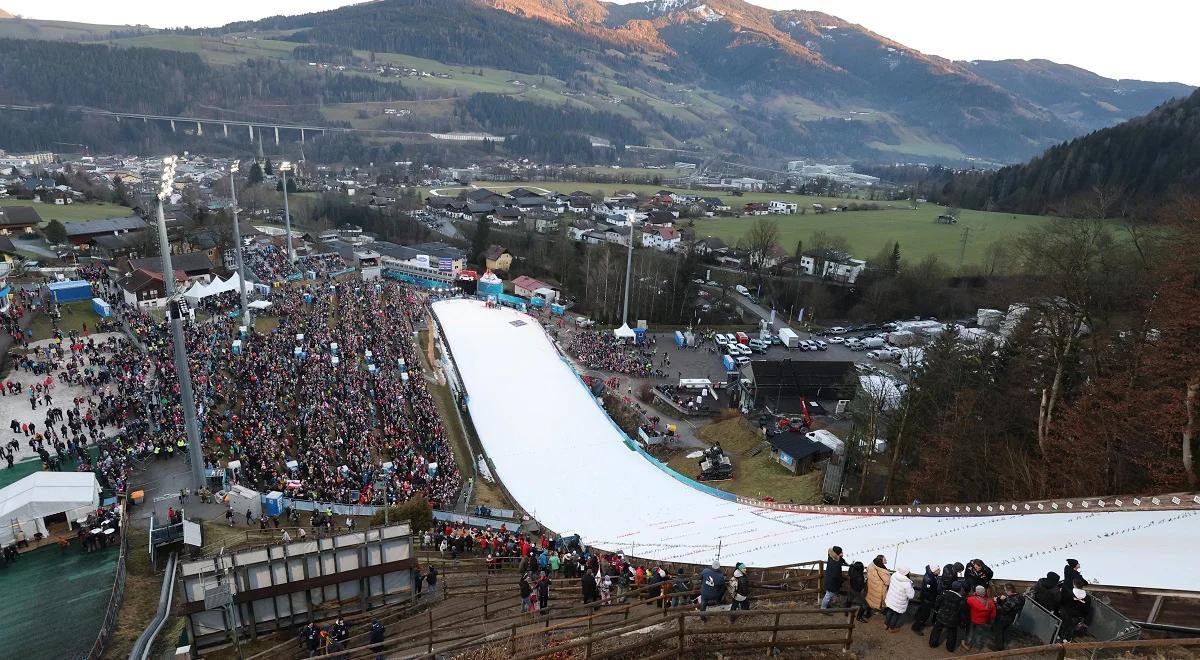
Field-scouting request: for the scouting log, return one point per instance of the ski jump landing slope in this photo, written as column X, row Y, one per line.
column 566, row 463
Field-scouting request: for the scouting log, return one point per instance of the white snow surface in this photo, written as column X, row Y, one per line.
column 566, row 463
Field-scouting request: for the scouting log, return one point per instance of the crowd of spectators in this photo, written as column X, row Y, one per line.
column 322, row 265
column 269, row 263
column 602, row 351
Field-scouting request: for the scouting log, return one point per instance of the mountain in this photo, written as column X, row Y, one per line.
column 1087, row 100
column 1139, row 162
column 711, row 76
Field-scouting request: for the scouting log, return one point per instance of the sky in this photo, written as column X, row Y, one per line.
column 1147, row 39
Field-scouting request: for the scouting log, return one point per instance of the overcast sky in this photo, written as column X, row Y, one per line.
column 1148, row 39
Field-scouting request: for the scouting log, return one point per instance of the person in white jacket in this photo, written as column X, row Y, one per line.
column 900, row 592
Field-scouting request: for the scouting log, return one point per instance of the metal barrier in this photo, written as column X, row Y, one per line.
column 1036, row 621
column 114, row 601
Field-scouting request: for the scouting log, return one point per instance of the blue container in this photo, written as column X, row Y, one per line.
column 729, row 363
column 538, row 302
column 273, row 503
column 70, row 291
column 679, row 340
column 101, row 307
column 557, row 309
column 639, row 335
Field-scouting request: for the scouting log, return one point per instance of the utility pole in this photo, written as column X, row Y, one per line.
column 628, row 278
column 176, row 307
column 962, row 246
column 284, row 168
column 237, row 239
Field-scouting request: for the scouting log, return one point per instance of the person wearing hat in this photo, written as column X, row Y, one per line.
column 900, row 592
column 982, row 612
column 740, row 589
column 377, row 631
column 833, row 576
column 1071, row 574
column 1046, row 592
column 931, row 585
column 948, row 613
column 712, row 586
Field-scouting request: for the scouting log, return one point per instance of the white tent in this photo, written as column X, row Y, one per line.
column 199, row 291
column 259, row 304
column 624, row 332
column 42, row 494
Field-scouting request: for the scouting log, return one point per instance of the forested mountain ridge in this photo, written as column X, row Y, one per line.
column 1143, row 161
column 721, row 76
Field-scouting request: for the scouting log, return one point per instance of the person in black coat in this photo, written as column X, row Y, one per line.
column 856, row 579
column 1046, row 592
column 588, row 585
column 833, row 576
column 1008, row 606
column 949, row 612
column 377, row 631
column 1071, row 575
column 977, row 574
column 1076, row 614
column 931, row 586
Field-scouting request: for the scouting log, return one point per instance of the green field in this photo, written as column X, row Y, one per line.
column 76, row 211
column 868, row 232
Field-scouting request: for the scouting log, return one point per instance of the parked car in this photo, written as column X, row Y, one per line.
column 821, row 345
column 721, row 340
column 855, row 345
column 776, row 341
column 742, row 360
column 713, row 283
column 698, row 280
column 836, row 330
column 837, row 339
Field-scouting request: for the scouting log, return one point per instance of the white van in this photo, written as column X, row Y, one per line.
column 742, row 290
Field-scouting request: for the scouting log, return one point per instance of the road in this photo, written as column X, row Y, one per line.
column 755, row 309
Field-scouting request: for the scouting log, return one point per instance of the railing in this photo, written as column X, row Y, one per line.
column 1088, row 649
column 114, row 601
column 1170, row 501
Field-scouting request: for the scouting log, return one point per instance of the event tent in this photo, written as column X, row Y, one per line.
column 42, row 494
column 624, row 332
column 199, row 291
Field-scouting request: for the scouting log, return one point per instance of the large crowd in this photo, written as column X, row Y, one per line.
column 322, row 265
column 329, row 405
column 268, row 263
column 601, row 351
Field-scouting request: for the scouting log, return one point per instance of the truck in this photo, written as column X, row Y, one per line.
column 743, row 338
column 902, row 338
column 789, row 338
column 872, row 342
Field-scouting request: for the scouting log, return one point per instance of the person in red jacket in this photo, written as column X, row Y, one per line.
column 982, row 610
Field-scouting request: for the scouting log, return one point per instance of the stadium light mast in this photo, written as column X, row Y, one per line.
column 284, row 168
column 176, row 307
column 628, row 279
column 237, row 239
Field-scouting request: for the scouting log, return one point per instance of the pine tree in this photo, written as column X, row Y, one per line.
column 894, row 260
column 255, row 176
column 268, row 169
column 479, row 242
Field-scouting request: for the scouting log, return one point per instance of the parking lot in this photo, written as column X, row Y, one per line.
column 704, row 360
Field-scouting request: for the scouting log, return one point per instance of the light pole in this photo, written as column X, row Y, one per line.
column 628, row 279
column 237, row 239
column 284, row 168
column 175, row 310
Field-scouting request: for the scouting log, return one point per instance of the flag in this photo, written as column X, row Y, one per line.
column 800, row 317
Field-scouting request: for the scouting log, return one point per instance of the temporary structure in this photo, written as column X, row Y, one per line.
column 25, row 503
column 624, row 332
column 199, row 291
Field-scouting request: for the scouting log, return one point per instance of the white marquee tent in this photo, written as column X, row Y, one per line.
column 42, row 494
column 199, row 291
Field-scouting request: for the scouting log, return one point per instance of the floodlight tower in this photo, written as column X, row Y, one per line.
column 237, row 239
column 176, row 308
column 284, row 168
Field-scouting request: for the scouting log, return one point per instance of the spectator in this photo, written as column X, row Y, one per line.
column 1047, row 593
column 878, row 578
column 977, row 574
column 948, row 615
column 1071, row 574
column 833, row 576
column 900, row 592
column 740, row 590
column 377, row 632
column 930, row 587
column 712, row 587
column 1076, row 614
column 1008, row 606
column 857, row 580
column 982, row 612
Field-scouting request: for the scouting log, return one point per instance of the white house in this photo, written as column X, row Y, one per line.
column 828, row 264
column 663, row 239
column 782, row 208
